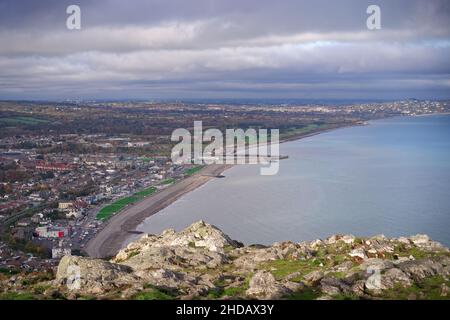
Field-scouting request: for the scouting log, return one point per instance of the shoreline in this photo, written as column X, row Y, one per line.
column 120, row 227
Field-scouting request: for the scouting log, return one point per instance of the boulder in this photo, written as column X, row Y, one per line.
column 358, row 253
column 94, row 276
column 198, row 235
column 373, row 264
column 420, row 239
column 388, row 280
column 176, row 258
column 313, row 277
column 264, row 286
column 420, row 269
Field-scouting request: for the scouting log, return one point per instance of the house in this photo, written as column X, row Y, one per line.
column 36, row 218
column 74, row 213
column 51, row 232
column 64, row 205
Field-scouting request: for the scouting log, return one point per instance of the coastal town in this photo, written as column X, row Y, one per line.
column 66, row 168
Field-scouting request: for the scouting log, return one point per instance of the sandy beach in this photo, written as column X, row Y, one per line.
column 111, row 238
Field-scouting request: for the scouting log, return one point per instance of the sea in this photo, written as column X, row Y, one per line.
column 389, row 177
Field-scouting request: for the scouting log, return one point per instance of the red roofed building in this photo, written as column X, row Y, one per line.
column 44, row 166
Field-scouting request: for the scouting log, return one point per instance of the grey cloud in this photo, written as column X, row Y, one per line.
column 176, row 48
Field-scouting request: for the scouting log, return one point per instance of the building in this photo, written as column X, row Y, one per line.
column 64, row 205
column 61, row 250
column 51, row 232
column 37, row 217
column 74, row 213
column 40, row 165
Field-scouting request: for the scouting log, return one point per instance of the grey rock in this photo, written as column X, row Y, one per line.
column 359, row 253
column 264, row 286
column 95, row 276
column 313, row 277
column 388, row 280
column 420, row 269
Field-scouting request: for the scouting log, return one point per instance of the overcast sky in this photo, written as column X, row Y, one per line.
column 181, row 49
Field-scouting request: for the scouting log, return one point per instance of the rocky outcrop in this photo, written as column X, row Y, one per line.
column 264, row 286
column 92, row 276
column 202, row 262
column 198, row 235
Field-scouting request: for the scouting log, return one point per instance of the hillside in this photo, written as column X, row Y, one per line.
column 202, row 262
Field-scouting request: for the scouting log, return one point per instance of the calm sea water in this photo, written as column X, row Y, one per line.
column 390, row 177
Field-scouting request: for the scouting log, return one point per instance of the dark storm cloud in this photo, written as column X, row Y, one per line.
column 206, row 48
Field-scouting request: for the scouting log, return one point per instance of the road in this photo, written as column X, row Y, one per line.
column 110, row 239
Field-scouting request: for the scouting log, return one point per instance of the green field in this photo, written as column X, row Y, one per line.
column 22, row 121
column 146, row 192
column 191, row 171
column 146, row 159
column 168, row 181
column 292, row 132
column 107, row 212
column 110, row 210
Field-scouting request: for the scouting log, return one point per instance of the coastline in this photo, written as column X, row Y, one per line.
column 119, row 228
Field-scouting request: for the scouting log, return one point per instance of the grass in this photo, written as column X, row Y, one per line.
column 218, row 293
column 7, row 271
column 110, row 210
column 429, row 289
column 194, row 170
column 16, row 296
column 132, row 254
column 343, row 296
column 146, row 192
column 40, row 288
column 22, row 121
column 153, row 293
column 282, row 268
column 168, row 181
column 305, row 294
column 417, row 253
column 233, row 292
column 292, row 132
column 146, row 159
